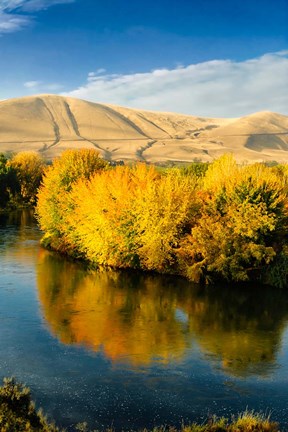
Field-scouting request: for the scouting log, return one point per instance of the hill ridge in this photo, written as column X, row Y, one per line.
column 50, row 123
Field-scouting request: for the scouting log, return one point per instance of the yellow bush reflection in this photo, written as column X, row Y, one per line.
column 18, row 239
column 140, row 319
column 126, row 317
column 243, row 328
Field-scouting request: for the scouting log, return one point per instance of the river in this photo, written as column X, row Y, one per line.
column 130, row 350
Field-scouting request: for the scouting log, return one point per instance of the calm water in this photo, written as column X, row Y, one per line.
column 131, row 350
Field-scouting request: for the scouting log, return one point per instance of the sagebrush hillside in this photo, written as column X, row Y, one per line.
column 50, row 124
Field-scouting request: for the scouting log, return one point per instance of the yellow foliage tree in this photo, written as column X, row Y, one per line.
column 100, row 224
column 29, row 167
column 242, row 225
column 131, row 217
column 52, row 205
column 221, row 174
column 162, row 211
column 231, row 223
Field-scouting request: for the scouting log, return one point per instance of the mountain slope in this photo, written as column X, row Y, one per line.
column 49, row 124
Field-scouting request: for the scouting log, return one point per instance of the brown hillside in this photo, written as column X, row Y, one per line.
column 49, row 124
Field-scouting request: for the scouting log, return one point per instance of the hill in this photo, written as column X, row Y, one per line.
column 50, row 124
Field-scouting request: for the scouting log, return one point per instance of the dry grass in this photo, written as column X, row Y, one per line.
column 248, row 421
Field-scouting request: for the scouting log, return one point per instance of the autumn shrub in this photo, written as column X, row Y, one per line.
column 242, row 227
column 58, row 179
column 100, row 226
column 130, row 217
column 164, row 211
column 29, row 167
column 230, row 223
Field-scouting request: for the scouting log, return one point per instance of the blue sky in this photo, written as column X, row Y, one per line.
column 204, row 57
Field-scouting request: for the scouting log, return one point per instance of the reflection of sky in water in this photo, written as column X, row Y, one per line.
column 181, row 316
column 135, row 356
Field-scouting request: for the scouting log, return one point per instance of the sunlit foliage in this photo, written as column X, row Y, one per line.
column 29, row 167
column 20, row 177
column 57, row 182
column 243, row 224
column 130, row 217
column 248, row 421
column 225, row 221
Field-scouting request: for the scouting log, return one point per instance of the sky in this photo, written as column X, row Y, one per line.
column 214, row 58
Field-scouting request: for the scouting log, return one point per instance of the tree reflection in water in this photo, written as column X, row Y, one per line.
column 140, row 319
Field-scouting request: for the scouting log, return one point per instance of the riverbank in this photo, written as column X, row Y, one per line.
column 225, row 222
column 18, row 413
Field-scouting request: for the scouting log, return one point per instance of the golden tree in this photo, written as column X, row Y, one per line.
column 29, row 167
column 52, row 205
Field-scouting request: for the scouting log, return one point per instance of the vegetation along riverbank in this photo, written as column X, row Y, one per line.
column 204, row 222
column 20, row 177
column 18, row 413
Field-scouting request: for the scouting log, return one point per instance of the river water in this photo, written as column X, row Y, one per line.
column 130, row 350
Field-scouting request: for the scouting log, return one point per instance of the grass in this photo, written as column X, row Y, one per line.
column 248, row 421
column 18, row 414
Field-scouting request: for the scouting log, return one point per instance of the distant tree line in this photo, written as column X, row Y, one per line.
column 205, row 222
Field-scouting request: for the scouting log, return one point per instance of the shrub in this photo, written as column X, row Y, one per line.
column 57, row 182
column 29, row 167
column 17, row 411
column 242, row 227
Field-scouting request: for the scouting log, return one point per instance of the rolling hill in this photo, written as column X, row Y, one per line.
column 50, row 124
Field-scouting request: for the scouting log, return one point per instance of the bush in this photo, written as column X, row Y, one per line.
column 9, row 184
column 242, row 227
column 230, row 223
column 29, row 167
column 17, row 411
column 58, row 179
column 130, row 217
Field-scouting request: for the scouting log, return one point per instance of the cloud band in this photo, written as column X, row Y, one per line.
column 223, row 88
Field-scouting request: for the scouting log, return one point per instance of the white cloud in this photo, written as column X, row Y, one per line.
column 214, row 88
column 11, row 17
column 32, row 84
column 30, row 5
column 36, row 5
column 53, row 87
column 10, row 23
column 40, row 86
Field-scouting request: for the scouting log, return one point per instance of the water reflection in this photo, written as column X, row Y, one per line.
column 19, row 236
column 241, row 326
column 130, row 318
column 138, row 319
